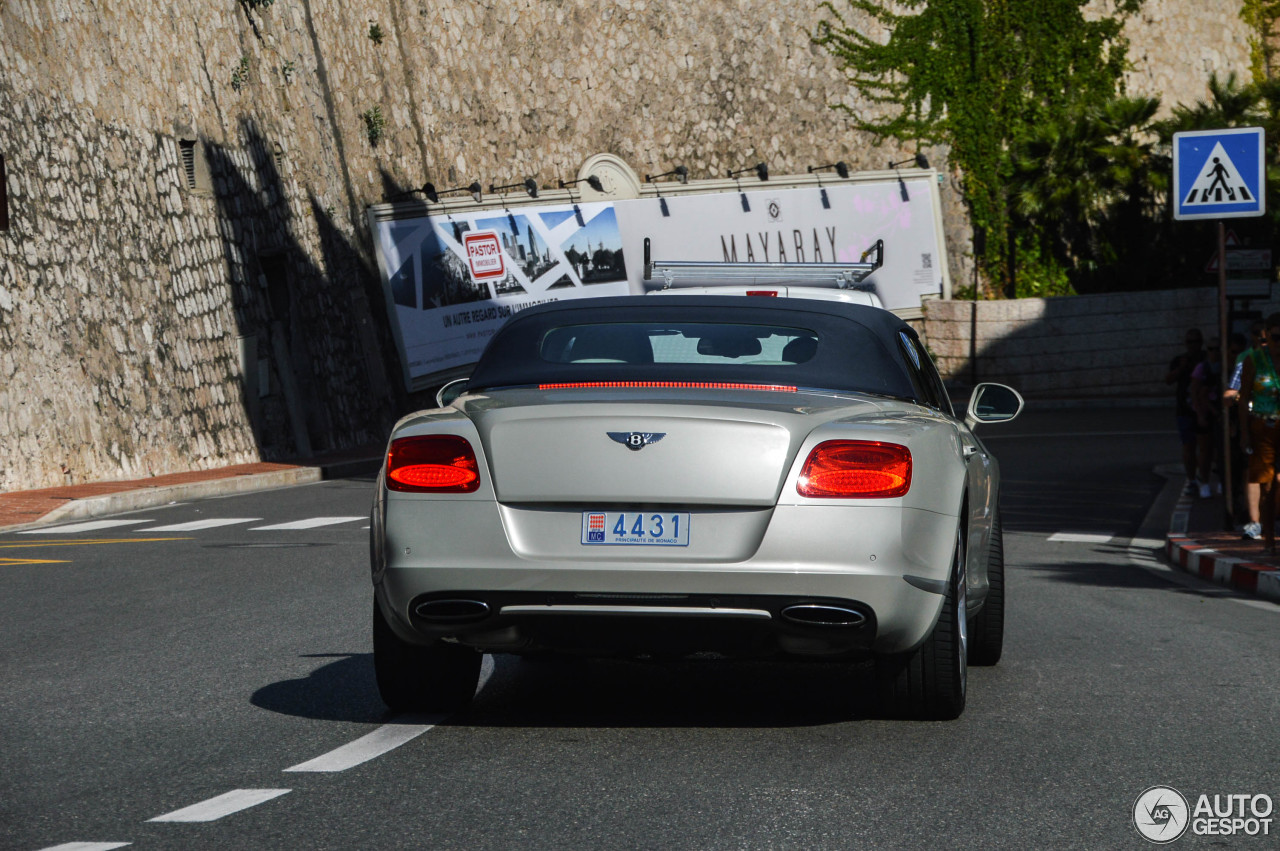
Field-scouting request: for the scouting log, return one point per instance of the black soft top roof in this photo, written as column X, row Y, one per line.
column 857, row 350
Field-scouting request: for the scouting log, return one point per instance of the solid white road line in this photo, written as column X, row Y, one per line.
column 1264, row 605
column 86, row 846
column 486, row 671
column 210, row 523
column 309, row 523
column 385, row 738
column 88, row 526
column 1080, row 538
column 223, row 805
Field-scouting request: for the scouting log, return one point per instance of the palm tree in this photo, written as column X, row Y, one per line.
column 1083, row 192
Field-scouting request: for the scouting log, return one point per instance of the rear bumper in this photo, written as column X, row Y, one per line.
column 856, row 558
column 646, row 624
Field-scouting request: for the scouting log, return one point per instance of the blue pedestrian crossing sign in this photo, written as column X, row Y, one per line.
column 1219, row 174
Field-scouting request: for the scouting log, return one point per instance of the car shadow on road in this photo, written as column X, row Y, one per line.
column 341, row 690
column 583, row 692
column 572, row 692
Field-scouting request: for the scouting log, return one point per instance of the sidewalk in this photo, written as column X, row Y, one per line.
column 27, row 509
column 1198, row 544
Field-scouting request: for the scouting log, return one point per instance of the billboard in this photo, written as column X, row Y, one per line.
column 448, row 291
column 452, row 274
column 810, row 224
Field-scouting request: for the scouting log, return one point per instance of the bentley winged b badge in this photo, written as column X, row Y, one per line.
column 636, row 440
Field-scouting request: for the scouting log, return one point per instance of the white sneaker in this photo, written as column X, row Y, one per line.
column 1205, row 492
column 1252, row 531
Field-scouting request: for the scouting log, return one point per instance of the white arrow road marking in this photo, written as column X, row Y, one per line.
column 223, row 805
column 386, row 738
column 87, row 846
column 88, row 526
column 309, row 523
column 211, row 523
column 1080, row 538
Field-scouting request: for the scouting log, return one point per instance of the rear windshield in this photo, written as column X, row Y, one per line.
column 678, row 343
column 701, row 340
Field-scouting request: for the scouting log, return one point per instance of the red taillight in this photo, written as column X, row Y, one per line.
column 773, row 293
column 432, row 463
column 856, row 468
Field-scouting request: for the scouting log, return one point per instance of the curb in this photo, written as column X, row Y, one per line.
column 142, row 498
column 1192, row 557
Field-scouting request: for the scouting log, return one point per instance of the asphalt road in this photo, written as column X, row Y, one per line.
column 145, row 670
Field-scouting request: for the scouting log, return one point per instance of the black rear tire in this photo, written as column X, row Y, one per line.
column 437, row 677
column 930, row 684
column 986, row 630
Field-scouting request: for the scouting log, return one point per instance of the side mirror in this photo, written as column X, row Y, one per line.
column 993, row 403
column 446, row 394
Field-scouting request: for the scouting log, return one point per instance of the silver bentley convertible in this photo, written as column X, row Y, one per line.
column 662, row 476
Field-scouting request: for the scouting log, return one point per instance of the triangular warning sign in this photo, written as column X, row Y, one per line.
column 1233, row 241
column 1219, row 182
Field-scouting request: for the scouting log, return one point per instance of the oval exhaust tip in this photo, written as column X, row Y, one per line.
column 452, row 611
column 816, row 614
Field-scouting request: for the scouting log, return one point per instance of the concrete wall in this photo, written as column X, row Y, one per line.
column 148, row 327
column 1115, row 345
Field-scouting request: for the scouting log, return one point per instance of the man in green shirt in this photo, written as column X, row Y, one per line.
column 1259, row 407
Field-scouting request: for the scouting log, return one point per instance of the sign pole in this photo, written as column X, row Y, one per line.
column 1224, row 377
column 1220, row 174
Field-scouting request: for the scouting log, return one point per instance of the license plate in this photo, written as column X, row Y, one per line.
column 636, row 528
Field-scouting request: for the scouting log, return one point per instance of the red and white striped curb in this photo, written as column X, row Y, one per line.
column 1195, row 558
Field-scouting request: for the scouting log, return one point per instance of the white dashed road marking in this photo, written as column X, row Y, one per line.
column 89, row 526
column 87, row 846
column 1080, row 538
column 365, row 748
column 309, row 523
column 210, row 523
column 223, row 805
column 1264, row 605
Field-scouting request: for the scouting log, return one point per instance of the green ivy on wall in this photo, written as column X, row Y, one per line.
column 979, row 76
column 375, row 124
column 240, row 74
column 1261, row 17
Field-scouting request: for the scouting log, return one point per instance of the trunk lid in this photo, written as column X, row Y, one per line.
column 639, row 447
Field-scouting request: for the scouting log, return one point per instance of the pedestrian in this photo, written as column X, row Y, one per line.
column 1244, row 496
column 1206, row 402
column 1259, row 406
column 1238, row 349
column 1179, row 375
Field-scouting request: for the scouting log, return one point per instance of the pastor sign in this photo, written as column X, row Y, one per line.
column 484, row 256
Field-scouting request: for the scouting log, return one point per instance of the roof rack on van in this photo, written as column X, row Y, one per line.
column 696, row 273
